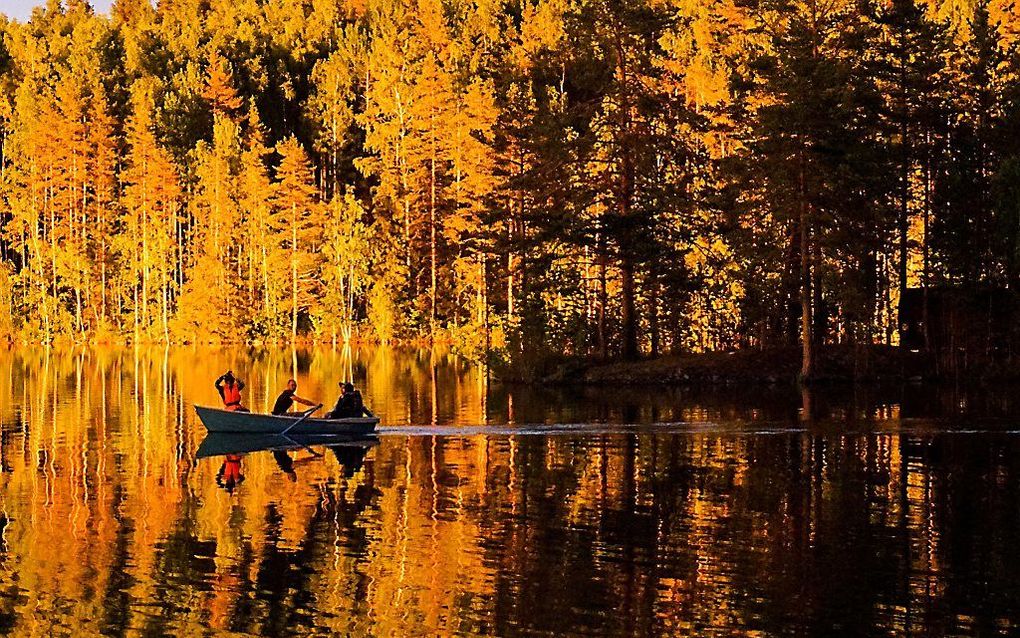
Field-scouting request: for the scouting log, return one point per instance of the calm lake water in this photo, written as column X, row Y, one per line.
column 495, row 510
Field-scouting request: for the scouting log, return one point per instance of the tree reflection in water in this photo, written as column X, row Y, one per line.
column 889, row 511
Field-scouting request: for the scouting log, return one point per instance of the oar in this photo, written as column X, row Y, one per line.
column 299, row 443
column 303, row 417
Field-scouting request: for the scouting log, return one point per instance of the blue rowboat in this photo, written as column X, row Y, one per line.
column 225, row 421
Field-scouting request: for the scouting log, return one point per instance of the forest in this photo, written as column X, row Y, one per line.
column 604, row 178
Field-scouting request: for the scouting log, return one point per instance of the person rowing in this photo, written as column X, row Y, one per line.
column 286, row 400
column 350, row 405
column 230, row 391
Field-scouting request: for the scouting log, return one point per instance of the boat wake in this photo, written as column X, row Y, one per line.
column 680, row 428
column 569, row 429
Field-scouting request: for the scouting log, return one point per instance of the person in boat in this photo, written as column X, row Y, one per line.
column 286, row 400
column 230, row 391
column 230, row 475
column 350, row 405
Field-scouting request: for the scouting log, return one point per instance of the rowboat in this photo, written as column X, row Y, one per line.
column 221, row 444
column 225, row 421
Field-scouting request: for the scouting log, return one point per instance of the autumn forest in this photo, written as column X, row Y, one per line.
column 595, row 177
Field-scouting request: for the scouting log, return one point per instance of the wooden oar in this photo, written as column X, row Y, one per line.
column 303, row 417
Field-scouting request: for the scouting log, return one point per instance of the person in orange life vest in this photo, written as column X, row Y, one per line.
column 230, row 391
column 230, row 475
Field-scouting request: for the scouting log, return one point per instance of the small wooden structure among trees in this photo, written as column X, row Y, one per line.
column 962, row 328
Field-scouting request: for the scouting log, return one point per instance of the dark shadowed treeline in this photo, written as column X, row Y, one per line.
column 591, row 177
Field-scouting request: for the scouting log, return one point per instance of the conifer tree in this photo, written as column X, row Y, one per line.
column 910, row 72
column 964, row 229
column 101, row 168
column 330, row 106
column 150, row 222
column 346, row 258
column 813, row 160
column 297, row 221
column 386, row 123
column 263, row 256
column 71, row 226
column 219, row 87
column 428, row 155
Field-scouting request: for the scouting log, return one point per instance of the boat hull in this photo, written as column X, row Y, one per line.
column 220, row 444
column 227, row 422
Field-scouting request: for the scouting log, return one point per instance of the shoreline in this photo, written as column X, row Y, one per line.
column 418, row 342
column 837, row 364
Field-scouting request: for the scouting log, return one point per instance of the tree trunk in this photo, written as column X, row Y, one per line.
column 628, row 307
column 628, row 310
column 510, row 269
column 600, row 331
column 134, row 289
column 102, row 282
column 807, row 367
column 432, row 241
column 145, row 266
column 77, row 309
column 265, row 281
column 653, row 319
column 819, row 314
column 903, row 221
column 925, row 272
column 166, row 312
column 293, row 273
column 480, row 296
column 789, row 324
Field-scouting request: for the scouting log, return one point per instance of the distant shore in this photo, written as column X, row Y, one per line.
column 835, row 364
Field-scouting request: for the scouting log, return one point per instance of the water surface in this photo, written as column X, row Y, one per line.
column 499, row 510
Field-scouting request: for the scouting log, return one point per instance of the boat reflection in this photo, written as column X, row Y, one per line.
column 349, row 451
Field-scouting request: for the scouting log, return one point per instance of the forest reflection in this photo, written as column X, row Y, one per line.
column 863, row 511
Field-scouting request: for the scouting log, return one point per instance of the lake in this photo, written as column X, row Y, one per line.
column 499, row 510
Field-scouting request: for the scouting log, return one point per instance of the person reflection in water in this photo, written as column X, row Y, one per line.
column 230, row 475
column 286, row 464
column 350, row 458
